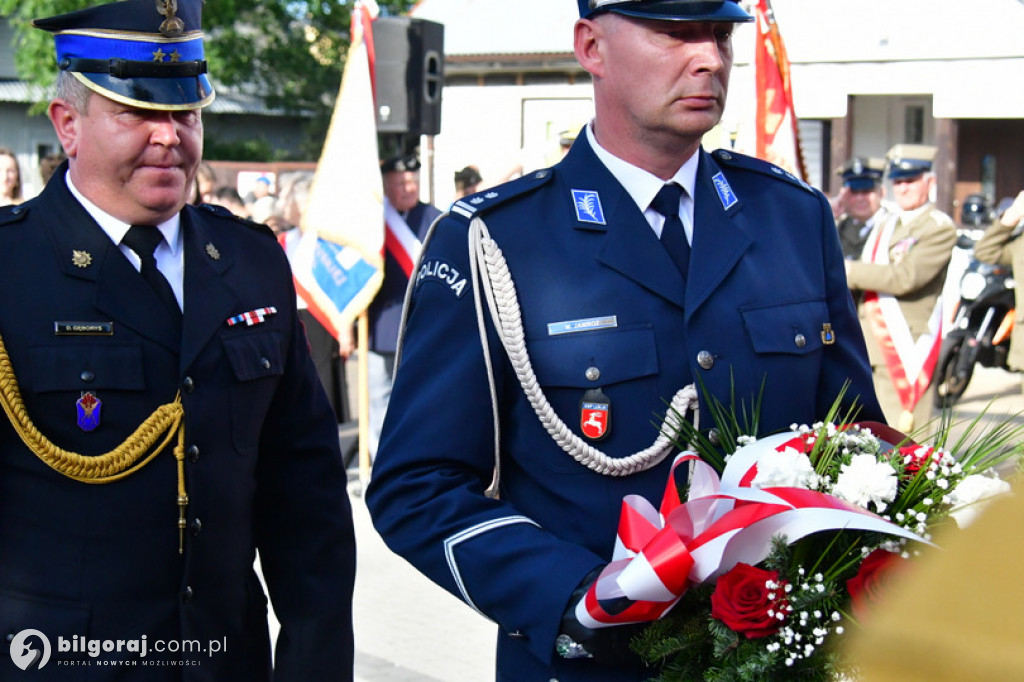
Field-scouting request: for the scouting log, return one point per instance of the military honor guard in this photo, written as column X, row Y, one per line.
column 554, row 317
column 163, row 420
column 862, row 203
column 900, row 275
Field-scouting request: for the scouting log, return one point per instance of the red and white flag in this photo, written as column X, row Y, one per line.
column 777, row 135
column 338, row 264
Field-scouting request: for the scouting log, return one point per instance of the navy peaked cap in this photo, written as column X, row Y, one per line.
column 143, row 53
column 673, row 10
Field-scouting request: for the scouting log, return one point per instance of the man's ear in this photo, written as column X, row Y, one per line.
column 65, row 119
column 587, row 45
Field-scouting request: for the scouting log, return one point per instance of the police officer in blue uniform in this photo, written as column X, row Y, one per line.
column 553, row 317
column 163, row 418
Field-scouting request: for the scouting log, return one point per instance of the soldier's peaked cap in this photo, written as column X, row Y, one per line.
column 862, row 174
column 143, row 53
column 908, row 161
column 672, row 10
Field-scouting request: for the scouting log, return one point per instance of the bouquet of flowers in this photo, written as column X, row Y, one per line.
column 776, row 546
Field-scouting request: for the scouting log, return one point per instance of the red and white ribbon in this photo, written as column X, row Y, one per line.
column 659, row 554
column 252, row 317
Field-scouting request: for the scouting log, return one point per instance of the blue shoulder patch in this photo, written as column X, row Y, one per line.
column 13, row 213
column 730, row 158
column 470, row 207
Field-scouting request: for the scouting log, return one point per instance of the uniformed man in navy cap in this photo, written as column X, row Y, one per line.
column 552, row 317
column 407, row 220
column 861, row 199
column 899, row 280
column 164, row 420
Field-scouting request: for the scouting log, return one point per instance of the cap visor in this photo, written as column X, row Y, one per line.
column 684, row 10
column 161, row 94
column 861, row 184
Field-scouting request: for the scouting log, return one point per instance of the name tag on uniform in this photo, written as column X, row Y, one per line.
column 589, row 324
column 62, row 328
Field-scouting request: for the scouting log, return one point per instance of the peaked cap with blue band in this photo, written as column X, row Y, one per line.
column 672, row 10
column 863, row 175
column 143, row 53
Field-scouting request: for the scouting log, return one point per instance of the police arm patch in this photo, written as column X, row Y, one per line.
column 439, row 271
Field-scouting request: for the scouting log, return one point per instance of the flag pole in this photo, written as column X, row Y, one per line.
column 363, row 388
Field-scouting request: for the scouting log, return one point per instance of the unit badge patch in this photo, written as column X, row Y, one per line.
column 89, row 407
column 595, row 414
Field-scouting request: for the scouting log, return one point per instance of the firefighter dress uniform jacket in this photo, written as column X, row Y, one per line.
column 261, row 459
column 603, row 307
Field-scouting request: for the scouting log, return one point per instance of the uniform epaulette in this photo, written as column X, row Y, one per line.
column 474, row 205
column 731, row 158
column 225, row 213
column 12, row 214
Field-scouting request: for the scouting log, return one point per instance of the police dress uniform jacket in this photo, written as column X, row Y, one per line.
column 999, row 245
column 262, row 463
column 385, row 312
column 919, row 252
column 765, row 277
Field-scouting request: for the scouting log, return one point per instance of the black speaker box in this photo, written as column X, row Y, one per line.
column 409, row 75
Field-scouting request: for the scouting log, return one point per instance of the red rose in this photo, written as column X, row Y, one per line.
column 916, row 456
column 872, row 580
column 742, row 600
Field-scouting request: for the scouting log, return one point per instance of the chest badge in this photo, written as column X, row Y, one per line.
column 588, row 206
column 595, row 414
column 89, row 407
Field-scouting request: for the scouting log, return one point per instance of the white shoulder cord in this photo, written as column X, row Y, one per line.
column 496, row 282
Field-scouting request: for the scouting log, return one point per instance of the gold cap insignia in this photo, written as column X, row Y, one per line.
column 81, row 259
column 172, row 25
column 212, row 251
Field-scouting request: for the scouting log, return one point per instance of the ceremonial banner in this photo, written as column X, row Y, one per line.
column 338, row 264
column 778, row 138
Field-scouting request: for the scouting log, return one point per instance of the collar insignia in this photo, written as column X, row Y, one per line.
column 81, row 259
column 212, row 251
column 725, row 192
column 588, row 206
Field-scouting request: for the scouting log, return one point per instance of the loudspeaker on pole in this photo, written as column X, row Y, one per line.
column 409, row 55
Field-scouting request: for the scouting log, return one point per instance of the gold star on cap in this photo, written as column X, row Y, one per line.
column 212, row 251
column 159, row 55
column 81, row 259
column 175, row 56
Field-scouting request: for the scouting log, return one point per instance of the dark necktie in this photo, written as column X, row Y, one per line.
column 143, row 240
column 673, row 236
